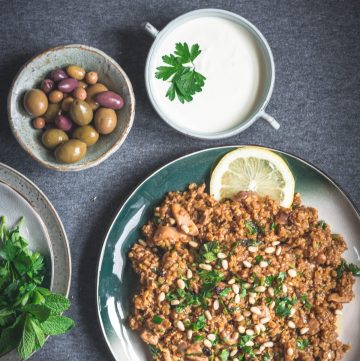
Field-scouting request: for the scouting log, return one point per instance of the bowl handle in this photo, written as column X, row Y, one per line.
column 151, row 30
column 271, row 120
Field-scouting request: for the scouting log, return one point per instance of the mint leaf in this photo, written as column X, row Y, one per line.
column 57, row 303
column 57, row 325
column 41, row 312
column 27, row 342
column 39, row 333
column 10, row 336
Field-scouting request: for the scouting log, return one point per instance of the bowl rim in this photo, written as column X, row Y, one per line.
column 258, row 111
column 102, row 157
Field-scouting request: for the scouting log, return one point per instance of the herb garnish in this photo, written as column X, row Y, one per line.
column 283, row 306
column 224, row 355
column 302, row 344
column 199, row 324
column 28, row 312
column 251, row 228
column 157, row 320
column 180, row 72
column 208, row 252
column 349, row 267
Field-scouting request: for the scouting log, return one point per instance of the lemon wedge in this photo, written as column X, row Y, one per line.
column 253, row 169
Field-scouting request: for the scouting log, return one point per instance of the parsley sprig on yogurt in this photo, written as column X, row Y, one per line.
column 29, row 312
column 180, row 71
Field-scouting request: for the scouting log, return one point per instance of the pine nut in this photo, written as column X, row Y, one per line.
column 161, row 297
column 269, row 250
column 252, row 300
column 265, row 320
column 247, row 313
column 211, row 337
column 175, row 302
column 216, row 305
column 272, row 305
column 193, row 244
column 180, row 326
column 189, row 274
column 237, row 298
column 181, row 284
column 292, row 273
column 142, row 242
column 304, row 330
column 189, row 334
column 260, row 289
column 263, row 264
column 252, row 294
column 292, row 312
column 171, row 221
column 250, row 332
column 208, row 315
column 262, row 348
column 263, row 328
column 205, row 267
column 284, row 288
column 247, row 264
column 257, row 329
column 207, row 343
column 249, row 343
column 271, row 291
column 236, row 359
column 231, row 282
column 233, row 352
column 236, row 288
column 276, row 243
column 253, row 249
column 221, row 255
column 278, row 251
column 291, row 324
column 269, row 344
column 225, row 264
column 241, row 329
column 255, row 310
column 290, row 351
column 247, row 285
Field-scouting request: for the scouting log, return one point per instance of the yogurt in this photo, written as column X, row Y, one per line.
column 234, row 68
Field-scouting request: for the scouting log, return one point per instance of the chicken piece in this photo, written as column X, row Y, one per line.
column 335, row 297
column 149, row 337
column 314, row 326
column 166, row 236
column 183, row 220
column 195, row 353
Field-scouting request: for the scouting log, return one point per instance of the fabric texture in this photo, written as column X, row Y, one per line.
column 316, row 99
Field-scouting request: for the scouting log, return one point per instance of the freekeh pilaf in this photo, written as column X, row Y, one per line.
column 240, row 279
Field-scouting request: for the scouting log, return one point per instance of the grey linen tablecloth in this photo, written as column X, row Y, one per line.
column 316, row 99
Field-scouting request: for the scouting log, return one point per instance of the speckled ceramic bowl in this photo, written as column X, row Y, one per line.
column 31, row 75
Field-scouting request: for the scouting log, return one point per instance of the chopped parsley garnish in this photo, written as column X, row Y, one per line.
column 154, row 350
column 157, row 319
column 225, row 292
column 251, row 228
column 198, row 338
column 266, row 357
column 348, row 267
column 258, row 259
column 283, row 306
column 209, row 251
column 322, row 224
column 273, row 226
column 304, row 300
column 199, row 324
column 179, row 71
column 302, row 344
column 224, row 355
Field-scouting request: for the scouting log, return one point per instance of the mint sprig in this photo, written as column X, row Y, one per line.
column 28, row 312
column 180, row 71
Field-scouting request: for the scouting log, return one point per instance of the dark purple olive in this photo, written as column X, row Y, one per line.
column 64, row 123
column 58, row 74
column 47, row 86
column 109, row 99
column 68, row 85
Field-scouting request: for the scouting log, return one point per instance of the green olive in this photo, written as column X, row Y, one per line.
column 71, row 151
column 76, row 72
column 86, row 134
column 51, row 138
column 105, row 120
column 52, row 112
column 35, row 102
column 92, row 91
column 80, row 112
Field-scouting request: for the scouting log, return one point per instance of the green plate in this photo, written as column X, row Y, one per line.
column 117, row 283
